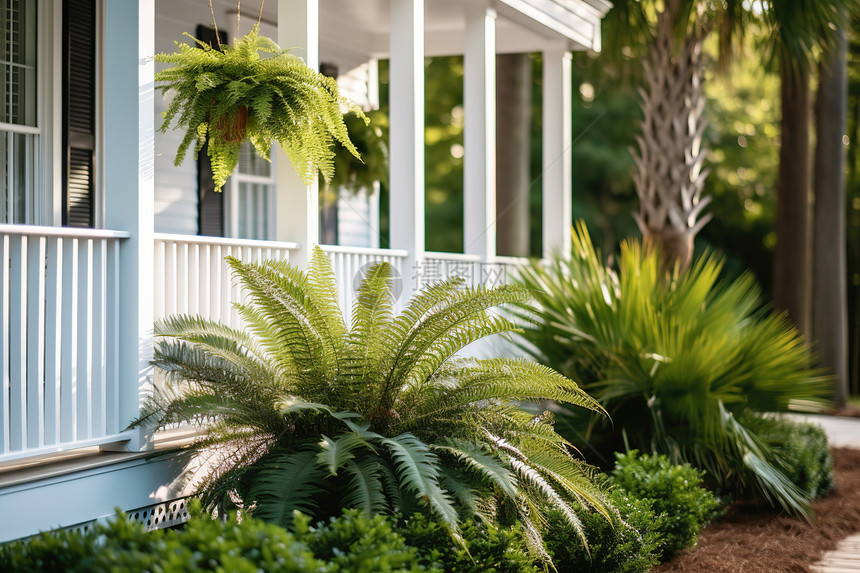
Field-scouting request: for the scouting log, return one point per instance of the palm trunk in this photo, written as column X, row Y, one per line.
column 792, row 277
column 830, row 304
column 669, row 177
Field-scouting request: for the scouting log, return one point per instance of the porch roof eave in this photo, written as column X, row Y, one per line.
column 576, row 21
column 524, row 26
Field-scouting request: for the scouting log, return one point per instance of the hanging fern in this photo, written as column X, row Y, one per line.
column 255, row 90
column 300, row 412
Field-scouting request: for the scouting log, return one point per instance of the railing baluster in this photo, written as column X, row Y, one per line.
column 112, row 312
column 170, row 280
column 53, row 340
column 215, row 263
column 193, row 278
column 5, row 331
column 69, row 350
column 85, row 340
column 98, row 376
column 17, row 346
column 160, row 286
column 205, row 280
column 35, row 310
column 182, row 278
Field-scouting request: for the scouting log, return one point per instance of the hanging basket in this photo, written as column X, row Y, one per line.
column 233, row 129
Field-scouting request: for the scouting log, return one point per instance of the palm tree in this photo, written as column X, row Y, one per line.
column 670, row 177
column 299, row 412
column 830, row 288
column 800, row 30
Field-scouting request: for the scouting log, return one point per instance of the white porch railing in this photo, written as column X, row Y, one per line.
column 474, row 270
column 349, row 262
column 191, row 276
column 508, row 267
column 59, row 339
column 438, row 266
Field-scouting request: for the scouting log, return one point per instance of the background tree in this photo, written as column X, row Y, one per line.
column 830, row 308
column 514, row 80
column 853, row 208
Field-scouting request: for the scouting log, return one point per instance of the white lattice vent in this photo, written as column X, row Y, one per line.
column 161, row 515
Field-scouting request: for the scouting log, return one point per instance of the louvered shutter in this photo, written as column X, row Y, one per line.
column 210, row 210
column 79, row 129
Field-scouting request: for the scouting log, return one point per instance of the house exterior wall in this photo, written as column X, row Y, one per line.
column 142, row 188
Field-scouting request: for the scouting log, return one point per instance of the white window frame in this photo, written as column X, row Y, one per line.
column 48, row 184
column 266, row 212
column 38, row 212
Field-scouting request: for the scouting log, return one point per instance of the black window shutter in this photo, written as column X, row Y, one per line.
column 79, row 129
column 210, row 211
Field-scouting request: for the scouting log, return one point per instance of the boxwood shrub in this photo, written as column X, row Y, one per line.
column 675, row 494
column 803, row 447
column 490, row 549
column 630, row 545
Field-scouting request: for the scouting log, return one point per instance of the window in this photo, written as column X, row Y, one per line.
column 251, row 197
column 19, row 129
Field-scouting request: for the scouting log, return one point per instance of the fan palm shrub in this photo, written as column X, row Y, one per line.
column 299, row 412
column 677, row 359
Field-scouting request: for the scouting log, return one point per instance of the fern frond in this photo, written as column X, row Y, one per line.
column 288, row 482
column 484, row 463
column 416, row 469
column 365, row 490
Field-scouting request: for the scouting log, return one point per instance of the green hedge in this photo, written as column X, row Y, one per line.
column 661, row 508
column 349, row 544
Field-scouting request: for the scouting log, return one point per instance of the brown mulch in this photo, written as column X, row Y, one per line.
column 847, row 411
column 751, row 540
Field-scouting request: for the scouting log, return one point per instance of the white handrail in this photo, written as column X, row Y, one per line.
column 68, row 232
column 466, row 258
column 203, row 240
column 399, row 253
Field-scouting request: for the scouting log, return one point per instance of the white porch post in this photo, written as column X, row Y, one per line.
column 479, row 132
column 129, row 108
column 407, row 136
column 297, row 203
column 557, row 170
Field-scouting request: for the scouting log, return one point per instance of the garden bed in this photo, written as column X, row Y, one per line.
column 752, row 540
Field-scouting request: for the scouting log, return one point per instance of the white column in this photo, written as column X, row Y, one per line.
column 406, row 89
column 297, row 203
column 557, row 170
column 479, row 132
column 129, row 108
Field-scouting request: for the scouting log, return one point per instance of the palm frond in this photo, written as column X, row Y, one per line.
column 668, row 353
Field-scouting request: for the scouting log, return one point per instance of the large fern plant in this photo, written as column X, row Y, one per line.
column 680, row 361
column 298, row 412
column 255, row 90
